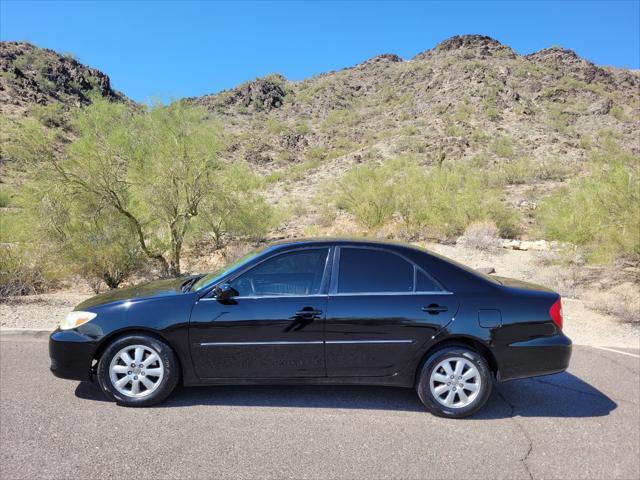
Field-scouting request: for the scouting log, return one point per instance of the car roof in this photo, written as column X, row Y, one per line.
column 339, row 241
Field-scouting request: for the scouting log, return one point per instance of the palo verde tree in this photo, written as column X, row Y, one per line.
column 152, row 169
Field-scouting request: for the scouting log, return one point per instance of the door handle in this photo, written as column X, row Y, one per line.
column 434, row 309
column 308, row 313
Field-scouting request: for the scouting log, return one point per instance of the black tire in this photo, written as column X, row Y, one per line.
column 167, row 383
column 431, row 402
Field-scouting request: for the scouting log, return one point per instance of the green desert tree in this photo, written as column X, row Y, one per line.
column 152, row 169
column 88, row 237
column 236, row 211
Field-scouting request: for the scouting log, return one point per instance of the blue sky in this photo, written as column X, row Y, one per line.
column 176, row 49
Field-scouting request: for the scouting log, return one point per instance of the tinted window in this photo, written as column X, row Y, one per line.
column 426, row 284
column 295, row 273
column 364, row 270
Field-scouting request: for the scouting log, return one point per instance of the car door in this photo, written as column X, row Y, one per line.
column 273, row 327
column 382, row 312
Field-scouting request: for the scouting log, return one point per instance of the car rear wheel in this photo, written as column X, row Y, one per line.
column 137, row 371
column 454, row 382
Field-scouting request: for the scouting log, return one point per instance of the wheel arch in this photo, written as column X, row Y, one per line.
column 111, row 337
column 459, row 341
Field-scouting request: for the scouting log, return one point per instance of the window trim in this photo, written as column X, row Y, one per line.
column 335, row 275
column 323, row 282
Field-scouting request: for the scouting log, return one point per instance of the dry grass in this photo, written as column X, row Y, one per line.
column 622, row 302
column 481, row 236
column 568, row 281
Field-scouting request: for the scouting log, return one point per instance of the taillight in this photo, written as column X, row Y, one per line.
column 556, row 313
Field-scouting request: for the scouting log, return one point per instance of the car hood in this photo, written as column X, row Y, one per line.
column 158, row 288
column 514, row 283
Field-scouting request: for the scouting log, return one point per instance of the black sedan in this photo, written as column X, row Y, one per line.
column 318, row 312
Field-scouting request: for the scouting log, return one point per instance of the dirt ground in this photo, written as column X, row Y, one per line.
column 582, row 323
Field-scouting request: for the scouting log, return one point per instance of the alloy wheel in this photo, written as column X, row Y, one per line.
column 136, row 371
column 455, row 382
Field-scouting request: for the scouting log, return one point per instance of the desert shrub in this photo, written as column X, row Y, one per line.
column 525, row 170
column 437, row 202
column 5, row 198
column 274, row 126
column 464, row 110
column 479, row 136
column 600, row 212
column 481, row 236
column 566, row 280
column 502, row 146
column 622, row 302
column 492, row 113
column 442, row 202
column 368, row 194
column 20, row 273
column 411, row 145
column 452, row 130
column 317, row 153
column 299, row 171
column 560, row 119
column 618, row 113
column 51, row 115
column 338, row 119
column 302, row 127
column 550, row 170
column 516, row 172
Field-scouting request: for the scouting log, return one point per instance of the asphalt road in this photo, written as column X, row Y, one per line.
column 581, row 424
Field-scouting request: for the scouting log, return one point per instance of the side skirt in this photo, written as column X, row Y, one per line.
column 393, row 381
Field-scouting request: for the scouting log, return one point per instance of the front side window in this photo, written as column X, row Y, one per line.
column 294, row 273
column 364, row 270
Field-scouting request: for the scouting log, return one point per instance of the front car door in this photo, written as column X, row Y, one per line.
column 383, row 310
column 273, row 327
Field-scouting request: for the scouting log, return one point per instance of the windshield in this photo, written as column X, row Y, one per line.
column 213, row 277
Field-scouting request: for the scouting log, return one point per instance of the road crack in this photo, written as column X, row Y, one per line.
column 524, row 432
column 622, row 365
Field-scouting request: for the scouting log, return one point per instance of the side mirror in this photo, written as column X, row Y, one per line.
column 224, row 292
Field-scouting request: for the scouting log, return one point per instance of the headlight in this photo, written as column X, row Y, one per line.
column 75, row 319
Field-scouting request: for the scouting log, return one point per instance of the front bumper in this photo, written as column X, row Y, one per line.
column 71, row 354
column 532, row 358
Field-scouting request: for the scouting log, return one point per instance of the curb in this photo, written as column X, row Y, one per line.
column 24, row 333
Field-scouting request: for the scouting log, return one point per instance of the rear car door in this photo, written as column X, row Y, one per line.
column 382, row 311
column 273, row 327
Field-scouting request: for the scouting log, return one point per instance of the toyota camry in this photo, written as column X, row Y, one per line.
column 318, row 312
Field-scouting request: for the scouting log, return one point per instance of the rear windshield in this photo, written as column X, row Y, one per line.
column 461, row 266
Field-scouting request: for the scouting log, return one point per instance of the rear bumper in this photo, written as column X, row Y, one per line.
column 532, row 358
column 71, row 354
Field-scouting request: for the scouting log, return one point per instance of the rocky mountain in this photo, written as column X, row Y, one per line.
column 470, row 98
column 457, row 97
column 31, row 75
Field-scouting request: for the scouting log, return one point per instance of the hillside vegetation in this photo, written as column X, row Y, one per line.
column 468, row 133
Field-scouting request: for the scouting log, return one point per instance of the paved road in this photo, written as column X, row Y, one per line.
column 581, row 424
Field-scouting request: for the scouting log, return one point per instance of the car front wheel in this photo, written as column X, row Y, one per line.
column 137, row 371
column 454, row 382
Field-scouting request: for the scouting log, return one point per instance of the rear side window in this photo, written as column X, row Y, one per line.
column 364, row 270
column 425, row 283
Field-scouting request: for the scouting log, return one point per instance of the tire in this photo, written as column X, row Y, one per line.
column 476, row 379
column 157, row 367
